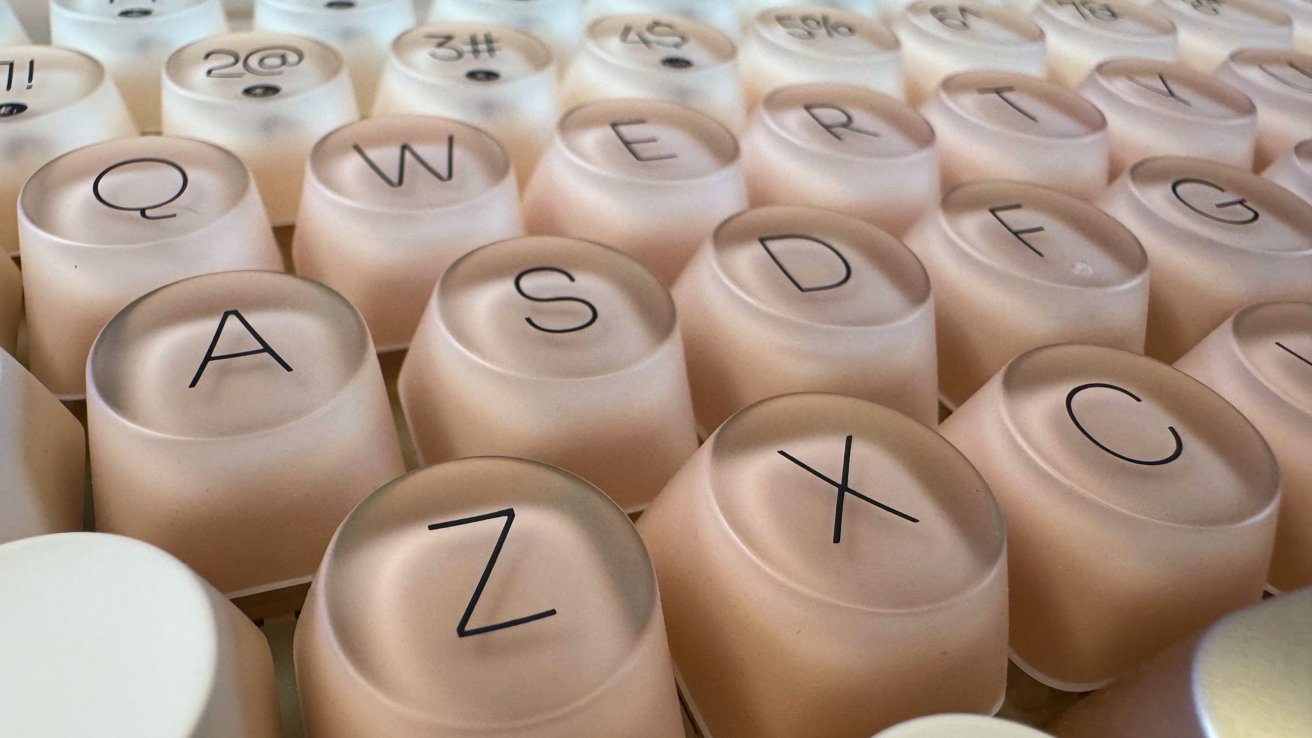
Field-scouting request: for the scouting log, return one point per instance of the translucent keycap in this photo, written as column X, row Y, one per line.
column 960, row 726
column 1081, row 34
column 265, row 96
column 133, row 38
column 1279, row 82
column 830, row 567
column 1293, row 171
column 790, row 299
column 1260, row 360
column 1003, row 125
column 142, row 645
column 12, row 32
column 1247, row 674
column 721, row 14
column 942, row 38
column 650, row 178
column 1158, row 108
column 11, row 304
column 795, row 44
column 105, row 224
column 42, row 459
column 234, row 420
column 390, row 202
column 1300, row 12
column 1211, row 30
column 660, row 58
column 1218, row 238
column 749, row 9
column 55, row 101
column 845, row 148
column 557, row 22
column 557, row 350
column 505, row 577
column 1140, row 506
column 1017, row 266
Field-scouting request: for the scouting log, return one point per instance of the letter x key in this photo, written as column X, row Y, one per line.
column 844, row 490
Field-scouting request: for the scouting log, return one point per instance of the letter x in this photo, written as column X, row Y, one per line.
column 844, row 490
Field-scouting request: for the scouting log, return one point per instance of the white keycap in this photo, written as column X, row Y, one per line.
column 1081, row 34
column 1293, row 171
column 942, row 38
column 559, row 23
column 1279, row 82
column 1211, row 30
column 12, row 32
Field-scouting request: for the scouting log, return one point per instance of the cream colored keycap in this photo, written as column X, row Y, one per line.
column 796, row 44
column 265, row 96
column 1081, row 34
column 721, row 14
column 1140, row 506
column 842, row 147
column 1017, row 266
column 105, row 224
column 749, row 9
column 790, row 299
column 942, row 38
column 1162, row 109
column 1260, row 360
column 142, row 646
column 1293, row 171
column 234, row 419
column 659, row 58
column 1211, row 30
column 12, row 32
column 557, row 22
column 1218, row 238
column 828, row 566
column 650, row 178
column 42, row 458
column 1247, row 674
column 11, row 304
column 1279, row 82
column 133, row 38
column 1003, row 125
column 557, row 350
column 493, row 77
column 57, row 100
column 960, row 726
column 1300, row 12
column 507, row 577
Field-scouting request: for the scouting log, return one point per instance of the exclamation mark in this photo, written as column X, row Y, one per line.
column 31, row 72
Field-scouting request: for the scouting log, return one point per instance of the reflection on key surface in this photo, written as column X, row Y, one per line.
column 1211, row 30
column 939, row 39
column 1293, row 171
column 960, row 726
column 1082, row 34
column 1279, row 82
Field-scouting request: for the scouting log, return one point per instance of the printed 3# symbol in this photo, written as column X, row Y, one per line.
column 844, row 489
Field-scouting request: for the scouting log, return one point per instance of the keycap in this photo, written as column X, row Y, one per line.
column 1279, row 82
column 1158, row 108
column 749, row 9
column 1293, row 171
column 1140, row 506
column 1016, row 266
column 1211, row 30
column 234, row 419
column 1247, row 674
column 650, row 178
column 12, row 32
column 360, row 30
column 55, row 101
column 265, row 96
column 493, row 77
column 1218, row 238
column 941, row 38
column 721, row 14
column 103, row 225
column 960, row 726
column 1300, row 12
column 1081, row 34
column 1003, row 125
column 557, row 350
column 1260, row 359
column 791, row 299
column 518, row 601
column 111, row 636
column 390, row 202
column 659, row 58
column 42, row 458
column 829, row 566
column 557, row 22
column 133, row 38
column 11, row 304
column 796, row 44
column 842, row 147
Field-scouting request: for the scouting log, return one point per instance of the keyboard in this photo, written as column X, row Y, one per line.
column 655, row 369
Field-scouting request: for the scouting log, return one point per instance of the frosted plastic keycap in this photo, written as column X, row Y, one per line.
column 1017, row 266
column 12, row 32
column 390, row 202
column 794, row 612
column 660, row 58
column 1140, row 506
column 650, row 178
column 133, row 38
column 1218, row 238
column 1158, row 108
column 1211, row 30
column 42, row 459
column 721, row 14
column 1293, row 171
column 960, row 726
column 105, row 224
column 942, row 38
column 1300, row 12
column 1279, row 82
column 54, row 101
column 558, row 350
column 1081, row 34
column 842, row 147
column 789, row 299
column 1003, row 125
column 265, row 96
column 749, row 9
column 11, row 304
column 518, row 602
column 143, row 645
column 234, row 419
column 557, row 22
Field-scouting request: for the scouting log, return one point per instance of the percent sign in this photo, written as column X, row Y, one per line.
column 807, row 27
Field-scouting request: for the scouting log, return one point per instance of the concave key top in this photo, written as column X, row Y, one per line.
column 960, row 726
column 942, row 38
column 557, row 22
column 1279, row 82
column 1081, row 34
